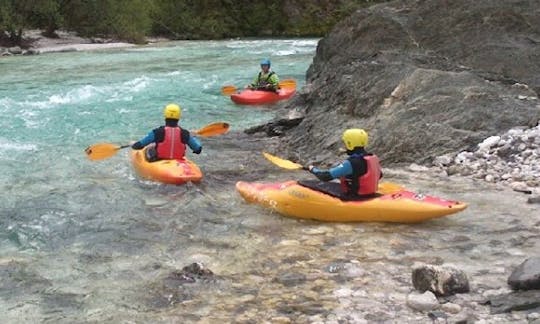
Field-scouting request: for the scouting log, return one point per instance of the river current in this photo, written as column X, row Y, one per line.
column 84, row 241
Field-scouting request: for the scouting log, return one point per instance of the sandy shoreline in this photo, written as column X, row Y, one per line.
column 67, row 42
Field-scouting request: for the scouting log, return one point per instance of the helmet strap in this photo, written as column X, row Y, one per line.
column 171, row 122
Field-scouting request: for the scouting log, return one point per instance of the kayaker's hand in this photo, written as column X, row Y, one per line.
column 198, row 151
column 137, row 146
column 310, row 168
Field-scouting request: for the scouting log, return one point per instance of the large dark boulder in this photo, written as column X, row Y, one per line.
column 526, row 276
column 425, row 78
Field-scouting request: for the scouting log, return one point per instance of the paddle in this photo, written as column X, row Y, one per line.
column 384, row 187
column 228, row 90
column 102, row 151
column 282, row 163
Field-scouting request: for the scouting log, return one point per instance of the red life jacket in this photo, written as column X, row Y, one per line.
column 367, row 183
column 172, row 146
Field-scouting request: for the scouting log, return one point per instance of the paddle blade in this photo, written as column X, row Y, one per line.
column 282, row 163
column 228, row 90
column 288, row 84
column 213, row 129
column 101, row 151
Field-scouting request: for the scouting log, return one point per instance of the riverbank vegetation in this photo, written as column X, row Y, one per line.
column 134, row 20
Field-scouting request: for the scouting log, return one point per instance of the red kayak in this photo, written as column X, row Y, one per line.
column 259, row 97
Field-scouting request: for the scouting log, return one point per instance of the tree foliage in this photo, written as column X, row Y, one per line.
column 133, row 20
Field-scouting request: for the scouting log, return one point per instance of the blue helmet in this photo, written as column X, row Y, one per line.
column 265, row 62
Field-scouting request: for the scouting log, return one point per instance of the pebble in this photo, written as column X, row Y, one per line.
column 511, row 159
column 289, row 242
column 343, row 292
column 318, row 230
column 451, row 308
column 533, row 316
column 281, row 320
column 422, row 302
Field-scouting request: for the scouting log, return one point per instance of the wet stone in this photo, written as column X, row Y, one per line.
column 441, row 280
column 515, row 301
column 307, row 308
column 526, row 276
column 17, row 278
column 422, row 302
column 534, row 200
column 435, row 315
column 189, row 274
column 451, row 308
column 291, row 279
column 533, row 316
column 281, row 320
column 55, row 301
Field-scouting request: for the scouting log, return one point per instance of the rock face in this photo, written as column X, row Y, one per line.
column 424, row 78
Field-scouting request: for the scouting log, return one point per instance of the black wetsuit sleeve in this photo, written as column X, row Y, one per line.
column 184, row 136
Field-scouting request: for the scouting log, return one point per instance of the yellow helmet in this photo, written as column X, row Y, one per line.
column 172, row 111
column 355, row 137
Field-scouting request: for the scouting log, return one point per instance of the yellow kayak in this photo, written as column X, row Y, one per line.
column 392, row 203
column 165, row 171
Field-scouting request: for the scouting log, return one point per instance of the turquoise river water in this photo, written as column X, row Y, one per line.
column 89, row 242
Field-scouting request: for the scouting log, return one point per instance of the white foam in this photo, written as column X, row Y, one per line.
column 285, row 53
column 137, row 84
column 6, row 145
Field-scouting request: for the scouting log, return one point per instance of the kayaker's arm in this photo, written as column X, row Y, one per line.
column 149, row 138
column 343, row 169
column 274, row 81
column 194, row 145
column 254, row 84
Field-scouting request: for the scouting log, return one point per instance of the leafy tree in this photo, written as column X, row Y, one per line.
column 46, row 15
column 14, row 18
column 133, row 20
column 123, row 19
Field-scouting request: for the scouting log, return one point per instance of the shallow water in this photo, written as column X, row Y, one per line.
column 88, row 241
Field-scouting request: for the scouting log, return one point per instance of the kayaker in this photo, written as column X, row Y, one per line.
column 360, row 173
column 266, row 79
column 170, row 140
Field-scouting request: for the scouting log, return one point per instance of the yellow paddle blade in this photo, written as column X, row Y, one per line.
column 101, row 151
column 386, row 188
column 213, row 129
column 228, row 90
column 282, row 163
column 288, row 84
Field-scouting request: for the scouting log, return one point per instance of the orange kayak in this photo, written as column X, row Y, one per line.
column 259, row 97
column 392, row 203
column 165, row 171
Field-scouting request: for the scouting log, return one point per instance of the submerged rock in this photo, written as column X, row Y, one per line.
column 534, row 200
column 291, row 279
column 192, row 273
